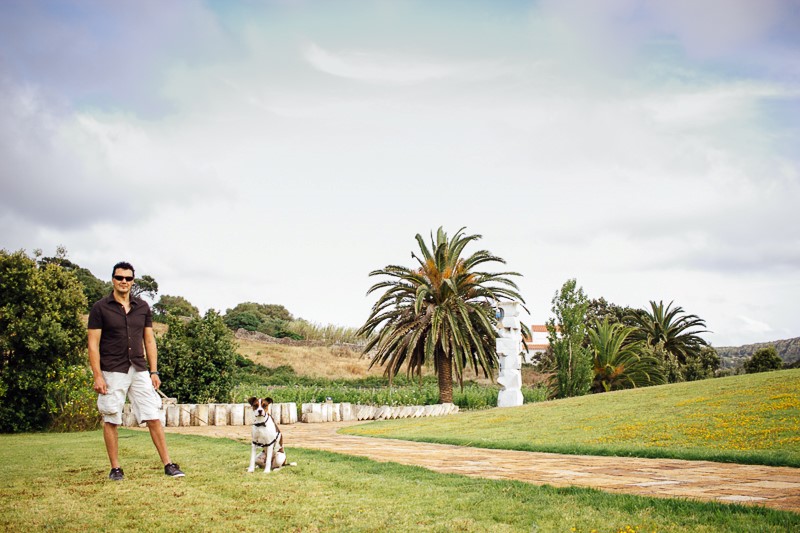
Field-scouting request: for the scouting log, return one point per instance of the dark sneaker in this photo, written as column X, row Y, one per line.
column 116, row 474
column 173, row 470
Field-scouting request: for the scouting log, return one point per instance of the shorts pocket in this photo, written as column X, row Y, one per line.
column 108, row 404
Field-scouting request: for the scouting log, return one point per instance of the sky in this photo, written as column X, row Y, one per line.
column 280, row 151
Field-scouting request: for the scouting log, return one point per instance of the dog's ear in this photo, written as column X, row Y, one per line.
column 268, row 401
column 252, row 401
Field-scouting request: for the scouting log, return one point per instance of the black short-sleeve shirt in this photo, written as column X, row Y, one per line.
column 122, row 334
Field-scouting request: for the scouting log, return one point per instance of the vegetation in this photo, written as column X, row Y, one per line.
column 439, row 312
column 753, row 418
column 326, row 492
column 145, row 286
column 197, row 359
column 571, row 362
column 329, row 333
column 284, row 385
column 269, row 319
column 764, row 360
column 93, row 288
column 619, row 364
column 702, row 366
column 42, row 337
column 174, row 306
column 671, row 328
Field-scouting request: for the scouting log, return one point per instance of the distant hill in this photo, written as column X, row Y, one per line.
column 788, row 350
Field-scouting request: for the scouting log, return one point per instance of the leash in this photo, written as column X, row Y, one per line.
column 185, row 410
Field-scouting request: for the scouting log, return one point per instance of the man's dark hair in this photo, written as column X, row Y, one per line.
column 124, row 265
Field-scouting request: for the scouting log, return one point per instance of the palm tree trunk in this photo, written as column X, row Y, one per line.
column 445, row 378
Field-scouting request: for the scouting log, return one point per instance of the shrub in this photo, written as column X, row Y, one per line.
column 41, row 336
column 197, row 359
column 75, row 401
column 764, row 360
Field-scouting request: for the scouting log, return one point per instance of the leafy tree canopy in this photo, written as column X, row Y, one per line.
column 619, row 364
column 41, row 335
column 439, row 312
column 572, row 362
column 673, row 328
column 93, row 288
column 197, row 359
column 175, row 306
column 271, row 319
column 764, row 360
column 145, row 286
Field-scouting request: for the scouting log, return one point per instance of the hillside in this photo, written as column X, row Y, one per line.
column 732, row 356
column 750, row 418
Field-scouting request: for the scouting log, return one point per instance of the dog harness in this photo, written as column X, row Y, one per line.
column 264, row 424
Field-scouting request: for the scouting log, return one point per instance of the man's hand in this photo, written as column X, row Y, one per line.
column 156, row 381
column 100, row 386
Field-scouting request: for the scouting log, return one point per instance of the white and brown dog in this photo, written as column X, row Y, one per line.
column 267, row 437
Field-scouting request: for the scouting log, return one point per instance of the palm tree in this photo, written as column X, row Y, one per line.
column 673, row 328
column 441, row 311
column 619, row 364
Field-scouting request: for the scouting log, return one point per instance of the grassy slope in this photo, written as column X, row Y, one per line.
column 746, row 419
column 57, row 481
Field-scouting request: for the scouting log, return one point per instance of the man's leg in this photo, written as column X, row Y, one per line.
column 157, row 434
column 110, row 435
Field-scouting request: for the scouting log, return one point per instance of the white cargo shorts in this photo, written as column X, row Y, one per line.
column 138, row 388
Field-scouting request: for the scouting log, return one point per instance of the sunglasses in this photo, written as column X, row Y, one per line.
column 126, row 278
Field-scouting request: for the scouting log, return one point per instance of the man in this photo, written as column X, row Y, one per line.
column 124, row 360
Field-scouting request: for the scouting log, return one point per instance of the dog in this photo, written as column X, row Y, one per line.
column 267, row 437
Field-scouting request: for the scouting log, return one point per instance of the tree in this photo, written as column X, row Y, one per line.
column 197, row 359
column 702, row 366
column 145, row 285
column 572, row 372
column 175, row 306
column 271, row 319
column 41, row 336
column 600, row 309
column 673, row 328
column 619, row 364
column 764, row 360
column 439, row 312
column 93, row 288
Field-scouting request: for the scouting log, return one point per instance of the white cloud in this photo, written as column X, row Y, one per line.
column 387, row 68
column 755, row 326
column 275, row 179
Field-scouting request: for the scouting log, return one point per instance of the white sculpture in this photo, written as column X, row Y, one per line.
column 508, row 349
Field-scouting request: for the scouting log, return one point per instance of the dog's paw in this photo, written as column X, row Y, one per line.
column 292, row 464
column 251, row 470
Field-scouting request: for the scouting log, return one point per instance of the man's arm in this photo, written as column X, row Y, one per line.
column 94, row 360
column 151, row 352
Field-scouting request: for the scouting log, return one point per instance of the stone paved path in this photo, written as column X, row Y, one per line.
column 775, row 487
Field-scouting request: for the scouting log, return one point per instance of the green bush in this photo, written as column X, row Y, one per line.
column 75, row 401
column 764, row 360
column 197, row 359
column 41, row 336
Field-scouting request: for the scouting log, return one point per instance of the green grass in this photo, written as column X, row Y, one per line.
column 58, row 481
column 751, row 419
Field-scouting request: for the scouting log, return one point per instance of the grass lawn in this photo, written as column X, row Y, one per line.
column 751, row 419
column 58, row 481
